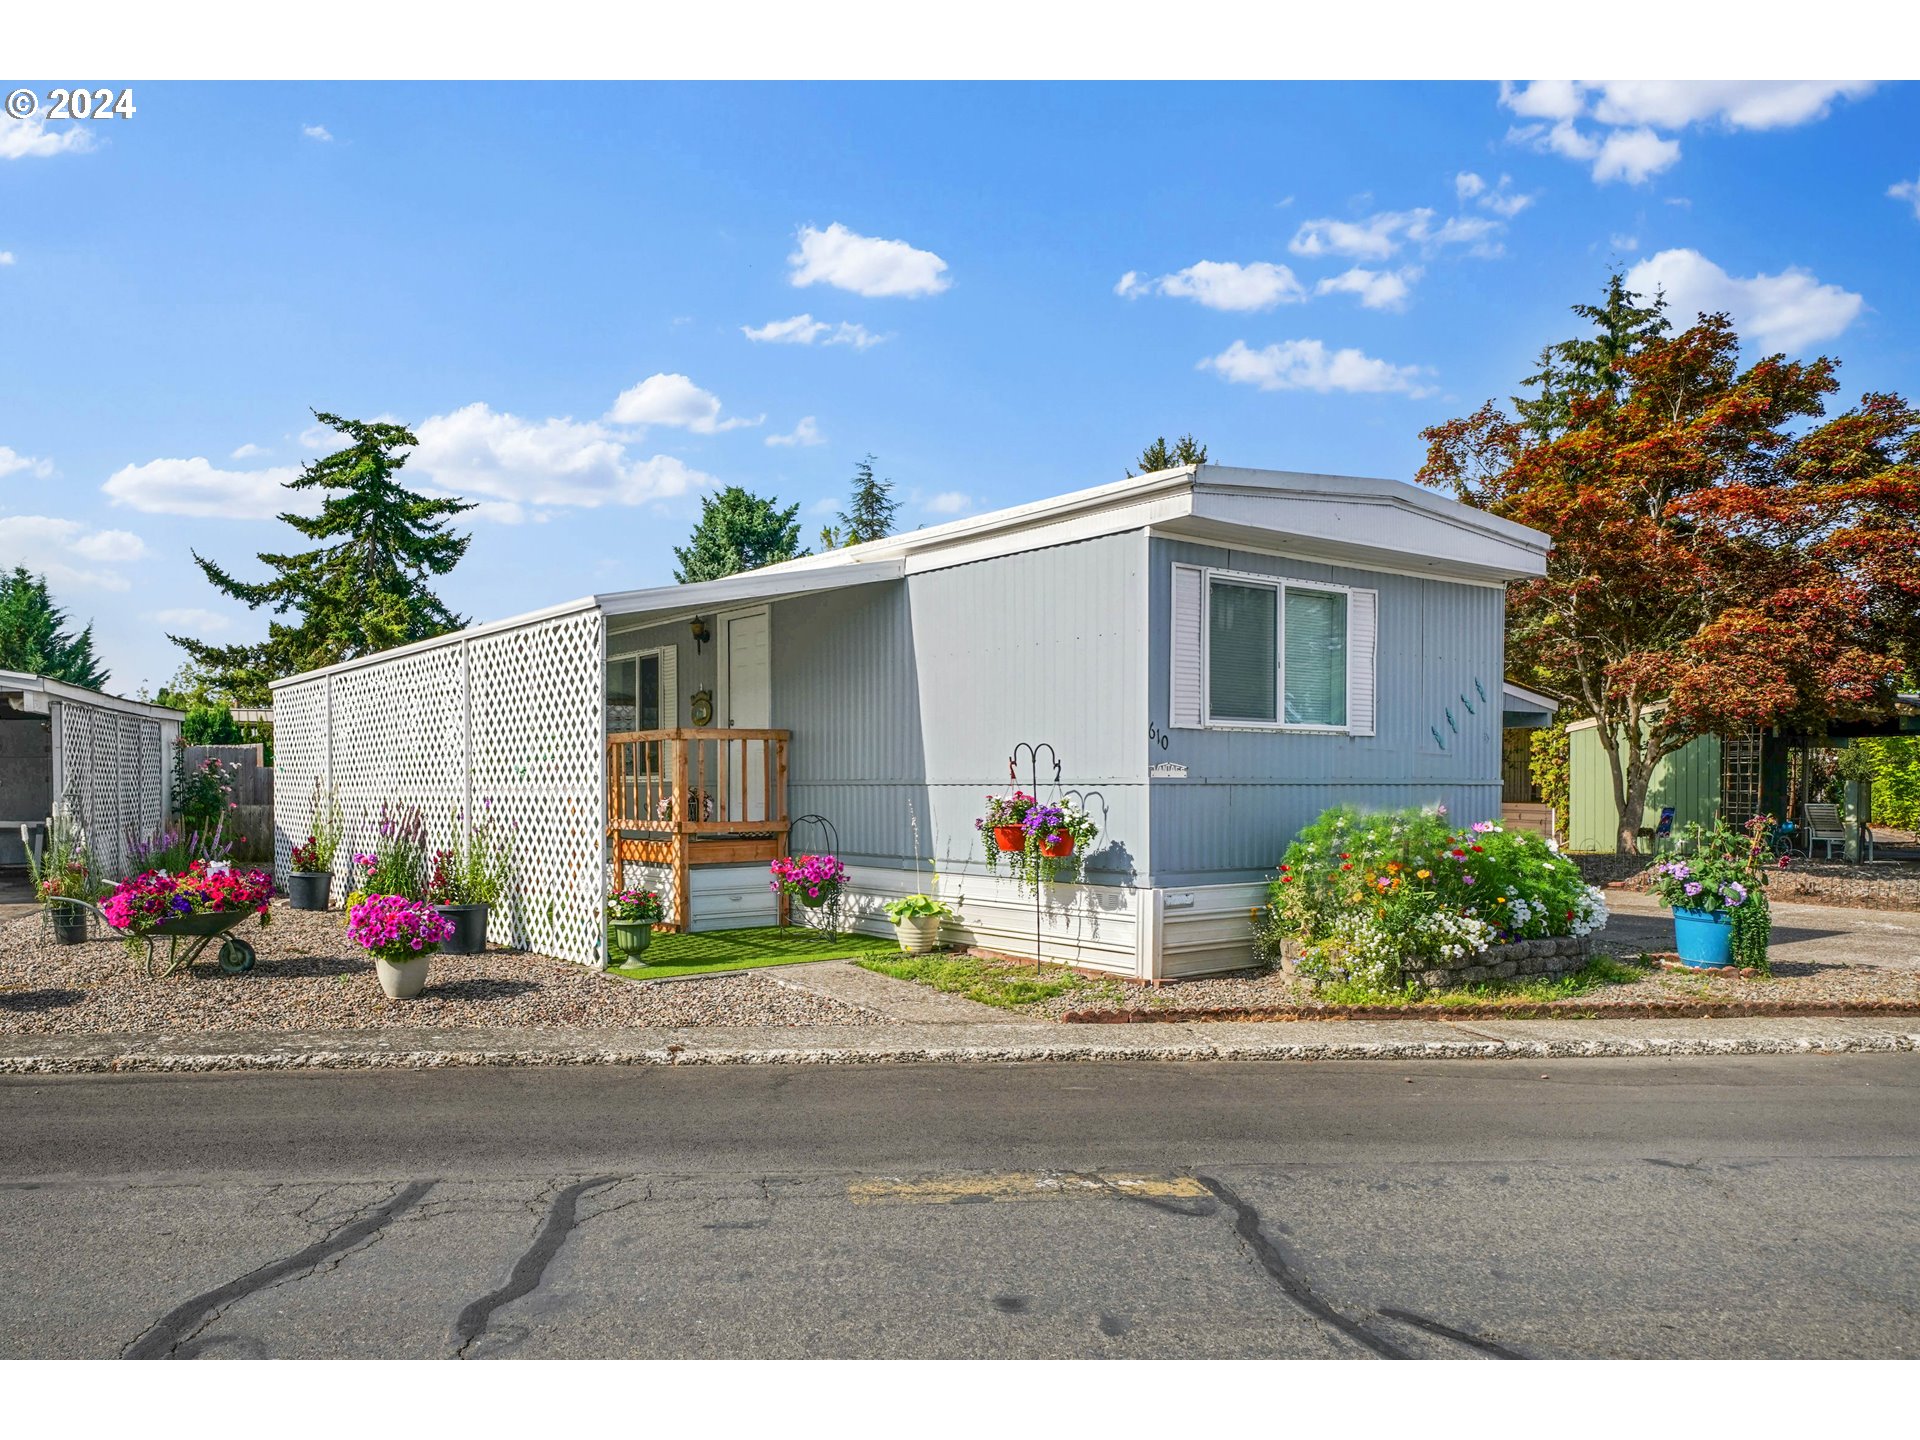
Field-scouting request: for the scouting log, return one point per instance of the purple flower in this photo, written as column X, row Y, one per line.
column 1468, row 879
column 1693, row 887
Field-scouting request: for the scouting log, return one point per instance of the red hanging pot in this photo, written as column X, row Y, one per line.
column 1055, row 846
column 1009, row 837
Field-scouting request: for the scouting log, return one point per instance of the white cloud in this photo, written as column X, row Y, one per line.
column 317, row 437
column 50, row 545
column 1383, row 234
column 1466, row 185
column 22, row 138
column 865, row 265
column 1375, row 289
column 1634, row 156
column 805, row 433
column 804, row 330
column 12, row 462
column 673, row 400
column 1624, row 242
column 1788, row 311
column 1737, row 104
column 6, row 257
column 1908, row 190
column 1634, row 112
column 1310, row 365
column 195, row 487
column 1544, row 99
column 1374, row 238
column 248, row 451
column 506, row 463
column 949, row 502
column 192, row 620
column 1677, row 104
column 316, row 132
column 1222, row 285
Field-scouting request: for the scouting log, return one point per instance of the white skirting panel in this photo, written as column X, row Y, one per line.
column 1146, row 934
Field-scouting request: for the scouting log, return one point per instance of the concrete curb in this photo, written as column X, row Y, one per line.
column 936, row 1044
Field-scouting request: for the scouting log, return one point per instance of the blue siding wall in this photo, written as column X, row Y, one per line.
column 906, row 699
column 1247, row 794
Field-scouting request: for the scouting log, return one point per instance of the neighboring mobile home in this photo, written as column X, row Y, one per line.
column 1216, row 655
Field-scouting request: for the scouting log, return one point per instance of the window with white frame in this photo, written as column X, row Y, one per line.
column 1265, row 652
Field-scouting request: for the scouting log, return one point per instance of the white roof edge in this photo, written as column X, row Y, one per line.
column 1532, row 698
column 767, row 583
column 61, row 690
column 1228, row 477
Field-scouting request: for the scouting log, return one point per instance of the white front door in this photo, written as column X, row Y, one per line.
column 748, row 701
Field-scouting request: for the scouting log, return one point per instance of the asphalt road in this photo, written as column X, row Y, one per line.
column 1740, row 1207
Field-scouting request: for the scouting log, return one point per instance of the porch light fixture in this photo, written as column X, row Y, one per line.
column 700, row 634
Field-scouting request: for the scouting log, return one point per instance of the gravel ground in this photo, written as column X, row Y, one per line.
column 1793, row 982
column 310, row 978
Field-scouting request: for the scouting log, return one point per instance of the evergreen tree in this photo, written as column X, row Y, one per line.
column 364, row 591
column 871, row 514
column 1586, row 367
column 830, row 539
column 737, row 531
column 1158, row 457
column 34, row 638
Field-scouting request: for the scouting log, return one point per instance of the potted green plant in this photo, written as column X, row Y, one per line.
column 310, row 884
column 916, row 921
column 63, row 878
column 401, row 935
column 466, row 882
column 630, row 919
column 1717, row 890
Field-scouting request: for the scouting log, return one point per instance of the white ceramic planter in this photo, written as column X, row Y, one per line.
column 405, row 980
column 918, row 933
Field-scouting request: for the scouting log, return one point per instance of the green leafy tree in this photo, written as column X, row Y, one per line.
column 737, row 531
column 211, row 725
column 1186, row 451
column 870, row 515
column 1591, row 365
column 34, row 636
column 364, row 590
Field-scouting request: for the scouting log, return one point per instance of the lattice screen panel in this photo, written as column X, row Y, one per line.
column 538, row 749
column 506, row 724
column 113, row 778
column 299, row 763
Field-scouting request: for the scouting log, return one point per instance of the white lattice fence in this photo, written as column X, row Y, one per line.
column 113, row 778
column 505, row 723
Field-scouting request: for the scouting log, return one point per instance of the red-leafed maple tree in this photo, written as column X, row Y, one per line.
column 1723, row 554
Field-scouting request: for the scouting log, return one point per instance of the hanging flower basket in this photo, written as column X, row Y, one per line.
column 1009, row 838
column 811, row 879
column 1039, row 841
column 1057, row 845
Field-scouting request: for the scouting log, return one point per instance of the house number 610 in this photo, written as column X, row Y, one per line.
column 1156, row 736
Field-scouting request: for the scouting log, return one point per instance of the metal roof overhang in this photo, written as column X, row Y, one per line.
column 666, row 603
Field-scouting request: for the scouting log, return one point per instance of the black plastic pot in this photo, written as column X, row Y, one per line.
column 69, row 924
column 309, row 889
column 469, row 929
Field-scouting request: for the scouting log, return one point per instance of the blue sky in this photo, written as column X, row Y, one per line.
column 1009, row 289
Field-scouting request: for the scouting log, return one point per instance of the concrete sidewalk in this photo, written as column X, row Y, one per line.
column 950, row 1042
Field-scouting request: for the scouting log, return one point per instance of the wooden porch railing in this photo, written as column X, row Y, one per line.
column 683, row 797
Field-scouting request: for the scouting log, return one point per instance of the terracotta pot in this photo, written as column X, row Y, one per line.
column 1009, row 837
column 405, row 979
column 1057, row 847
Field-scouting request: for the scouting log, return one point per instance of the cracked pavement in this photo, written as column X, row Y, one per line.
column 1572, row 1208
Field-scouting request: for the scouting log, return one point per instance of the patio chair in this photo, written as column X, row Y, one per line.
column 1824, row 827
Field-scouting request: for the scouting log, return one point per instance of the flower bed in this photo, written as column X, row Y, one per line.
column 1403, row 900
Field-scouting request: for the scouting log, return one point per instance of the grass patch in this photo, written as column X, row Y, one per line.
column 751, row 949
column 1596, row 974
column 991, row 982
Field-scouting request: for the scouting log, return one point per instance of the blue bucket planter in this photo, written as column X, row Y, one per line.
column 1703, row 938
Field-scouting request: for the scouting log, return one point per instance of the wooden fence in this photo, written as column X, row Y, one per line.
column 252, row 816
